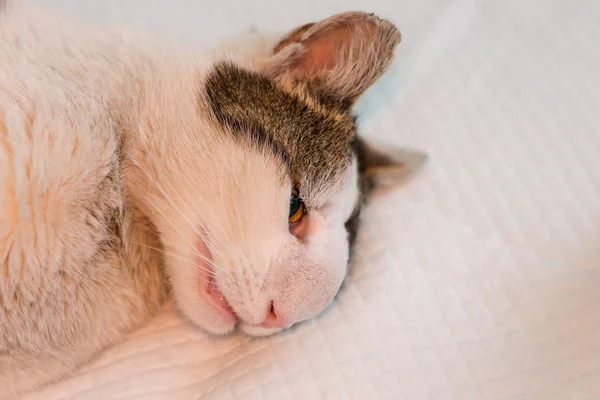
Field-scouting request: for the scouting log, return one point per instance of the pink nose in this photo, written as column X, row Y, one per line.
column 274, row 321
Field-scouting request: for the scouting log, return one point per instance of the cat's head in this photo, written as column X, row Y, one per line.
column 262, row 235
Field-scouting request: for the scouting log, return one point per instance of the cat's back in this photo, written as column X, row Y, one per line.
column 59, row 194
column 70, row 280
column 56, row 140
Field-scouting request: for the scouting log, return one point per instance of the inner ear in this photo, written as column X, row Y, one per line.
column 337, row 58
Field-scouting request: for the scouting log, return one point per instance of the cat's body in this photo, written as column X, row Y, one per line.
column 125, row 165
column 73, row 278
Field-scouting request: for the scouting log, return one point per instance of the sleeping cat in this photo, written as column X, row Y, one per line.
column 127, row 164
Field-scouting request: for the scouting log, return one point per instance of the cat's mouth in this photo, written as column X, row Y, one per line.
column 209, row 289
column 218, row 301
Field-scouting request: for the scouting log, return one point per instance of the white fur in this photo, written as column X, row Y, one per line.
column 74, row 104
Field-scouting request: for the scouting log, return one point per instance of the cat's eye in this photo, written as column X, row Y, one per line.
column 296, row 209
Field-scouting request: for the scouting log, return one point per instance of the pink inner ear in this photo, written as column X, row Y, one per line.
column 325, row 49
column 320, row 55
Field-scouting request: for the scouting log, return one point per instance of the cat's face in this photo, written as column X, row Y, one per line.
column 263, row 236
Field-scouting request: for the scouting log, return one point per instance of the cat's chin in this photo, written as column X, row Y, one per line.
column 220, row 330
column 258, row 331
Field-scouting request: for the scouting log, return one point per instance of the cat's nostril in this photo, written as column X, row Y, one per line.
column 273, row 320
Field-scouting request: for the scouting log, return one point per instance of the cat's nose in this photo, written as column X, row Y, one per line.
column 274, row 320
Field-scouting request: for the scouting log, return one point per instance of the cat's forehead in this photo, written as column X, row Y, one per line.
column 314, row 141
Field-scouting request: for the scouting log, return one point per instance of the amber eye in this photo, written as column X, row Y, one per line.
column 296, row 209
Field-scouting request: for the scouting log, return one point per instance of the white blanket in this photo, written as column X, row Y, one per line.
column 478, row 280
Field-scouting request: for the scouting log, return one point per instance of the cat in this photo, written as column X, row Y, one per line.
column 135, row 170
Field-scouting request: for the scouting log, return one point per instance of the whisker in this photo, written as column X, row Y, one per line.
column 175, row 205
column 227, row 277
column 200, row 235
column 210, row 272
column 194, row 249
column 166, row 196
column 203, row 258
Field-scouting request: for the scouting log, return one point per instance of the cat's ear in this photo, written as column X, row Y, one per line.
column 383, row 168
column 338, row 58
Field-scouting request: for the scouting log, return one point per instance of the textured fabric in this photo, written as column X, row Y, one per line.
column 478, row 280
